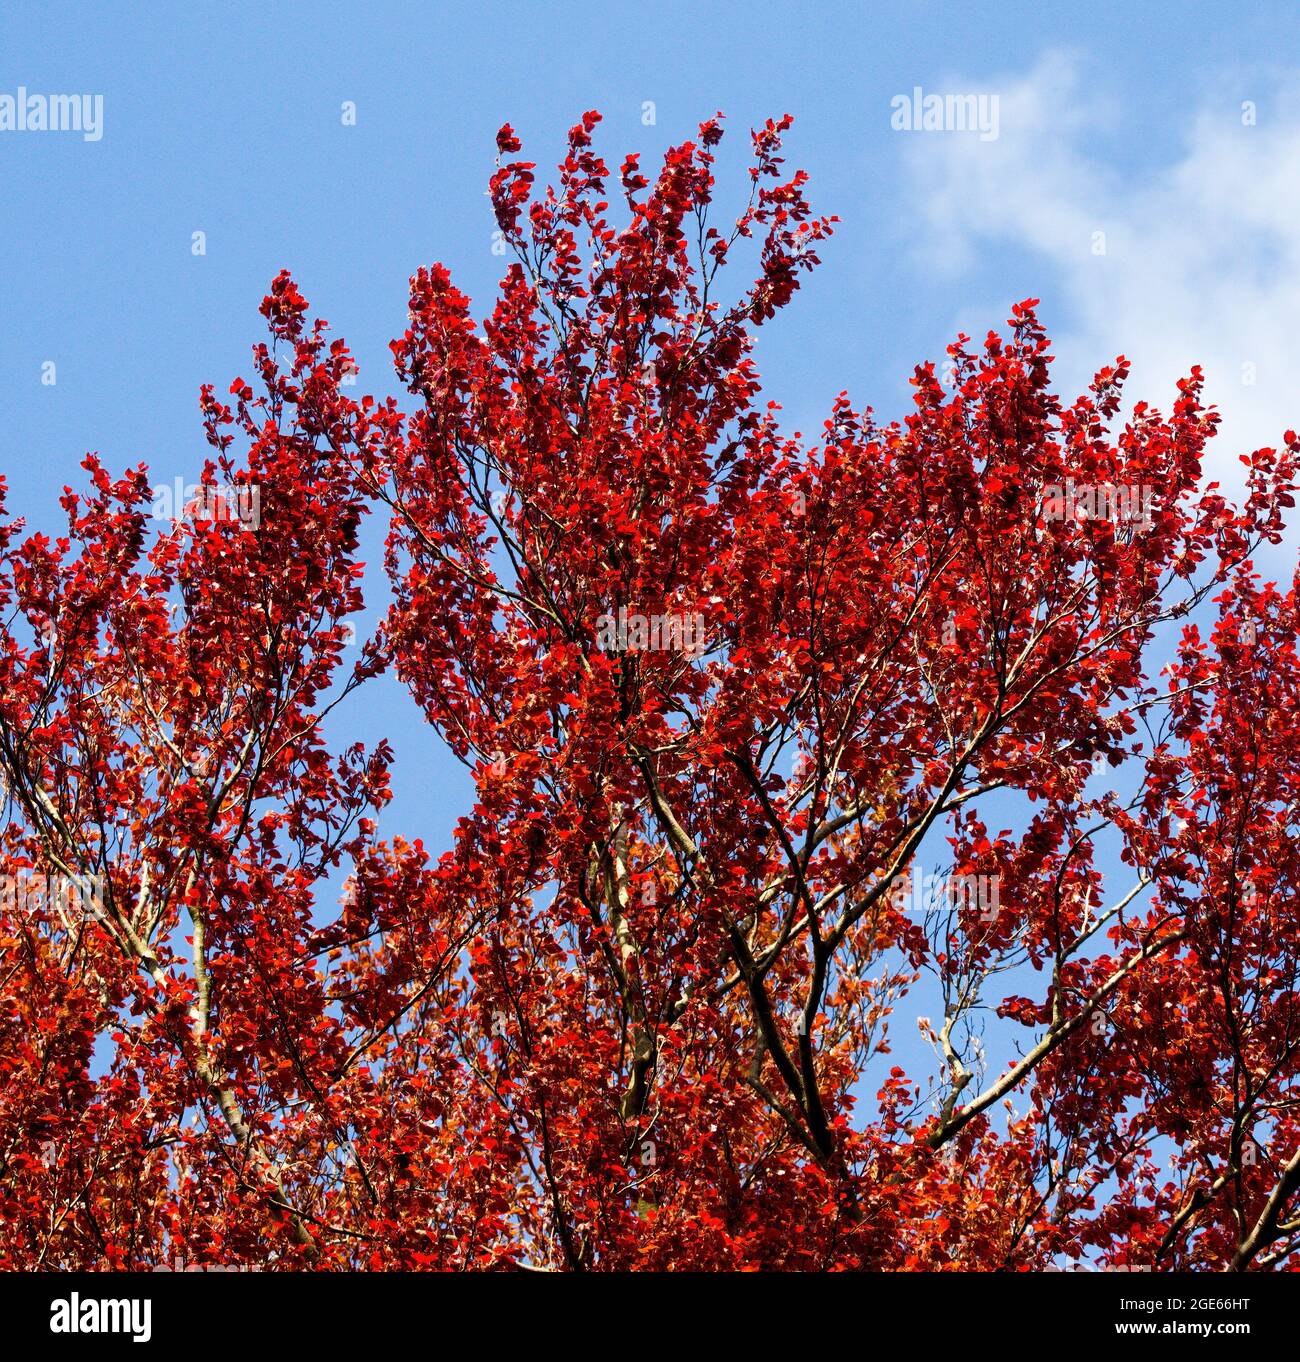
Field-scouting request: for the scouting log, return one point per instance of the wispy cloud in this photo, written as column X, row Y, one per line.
column 1196, row 260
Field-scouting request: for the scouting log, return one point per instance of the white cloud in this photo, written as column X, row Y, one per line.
column 1202, row 253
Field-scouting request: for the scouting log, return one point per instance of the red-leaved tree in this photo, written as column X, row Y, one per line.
column 739, row 711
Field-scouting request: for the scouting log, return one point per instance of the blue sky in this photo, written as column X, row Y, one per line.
column 1172, row 129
